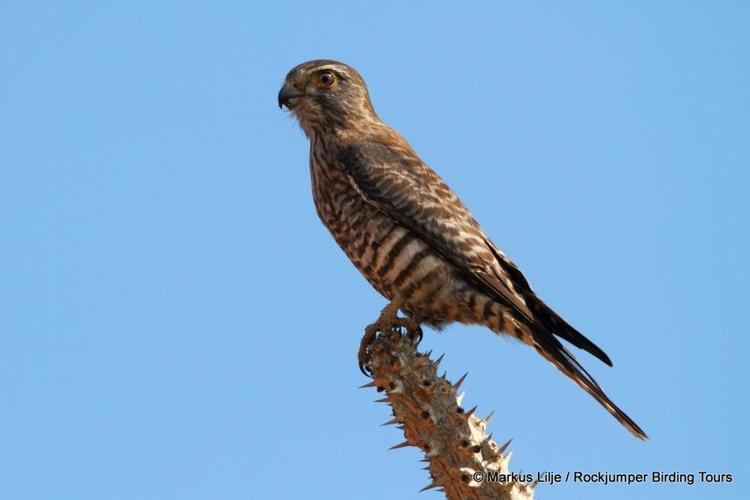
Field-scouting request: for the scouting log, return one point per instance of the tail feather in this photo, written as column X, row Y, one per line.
column 554, row 323
column 554, row 352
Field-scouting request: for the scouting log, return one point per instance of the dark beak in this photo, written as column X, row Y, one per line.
column 287, row 93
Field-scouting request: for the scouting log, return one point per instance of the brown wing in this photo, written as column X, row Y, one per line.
column 395, row 180
column 410, row 192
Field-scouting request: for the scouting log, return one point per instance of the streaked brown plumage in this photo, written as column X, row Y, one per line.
column 409, row 234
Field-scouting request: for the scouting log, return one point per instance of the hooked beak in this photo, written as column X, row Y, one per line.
column 286, row 94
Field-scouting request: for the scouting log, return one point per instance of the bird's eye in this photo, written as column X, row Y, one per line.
column 326, row 79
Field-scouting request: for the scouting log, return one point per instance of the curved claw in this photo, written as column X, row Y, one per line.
column 371, row 333
column 412, row 328
column 363, row 367
column 416, row 334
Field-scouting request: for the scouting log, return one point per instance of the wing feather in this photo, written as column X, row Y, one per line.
column 399, row 184
column 392, row 178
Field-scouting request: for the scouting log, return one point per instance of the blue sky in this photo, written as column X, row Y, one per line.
column 176, row 323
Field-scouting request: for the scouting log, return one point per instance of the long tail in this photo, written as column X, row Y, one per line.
column 552, row 321
column 554, row 352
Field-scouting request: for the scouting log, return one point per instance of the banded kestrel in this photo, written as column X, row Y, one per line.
column 409, row 234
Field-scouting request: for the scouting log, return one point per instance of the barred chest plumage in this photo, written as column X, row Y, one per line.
column 397, row 263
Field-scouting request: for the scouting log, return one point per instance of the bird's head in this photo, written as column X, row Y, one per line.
column 327, row 96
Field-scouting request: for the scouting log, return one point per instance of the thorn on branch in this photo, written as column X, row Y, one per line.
column 428, row 410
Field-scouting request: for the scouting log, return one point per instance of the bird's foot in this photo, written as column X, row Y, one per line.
column 388, row 320
column 363, row 357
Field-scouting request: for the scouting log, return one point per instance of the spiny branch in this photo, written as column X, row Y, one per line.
column 427, row 408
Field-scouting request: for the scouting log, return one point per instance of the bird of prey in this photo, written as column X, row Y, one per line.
column 409, row 234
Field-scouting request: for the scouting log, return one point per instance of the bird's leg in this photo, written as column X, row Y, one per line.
column 384, row 322
column 388, row 320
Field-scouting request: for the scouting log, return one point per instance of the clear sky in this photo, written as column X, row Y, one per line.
column 177, row 324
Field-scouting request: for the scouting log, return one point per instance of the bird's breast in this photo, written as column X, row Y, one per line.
column 394, row 260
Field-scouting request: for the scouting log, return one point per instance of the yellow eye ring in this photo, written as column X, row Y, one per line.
column 326, row 80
